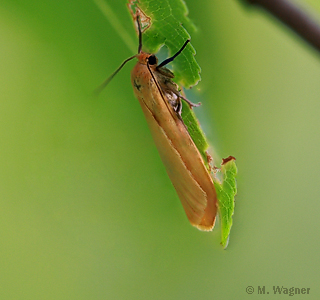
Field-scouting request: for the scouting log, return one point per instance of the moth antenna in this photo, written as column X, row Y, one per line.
column 140, row 35
column 99, row 89
column 170, row 59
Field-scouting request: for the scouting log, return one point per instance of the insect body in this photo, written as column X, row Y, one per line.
column 160, row 100
column 161, row 104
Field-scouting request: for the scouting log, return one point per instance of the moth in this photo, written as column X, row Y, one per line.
column 161, row 102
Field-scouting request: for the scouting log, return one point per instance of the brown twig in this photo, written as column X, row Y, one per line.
column 294, row 17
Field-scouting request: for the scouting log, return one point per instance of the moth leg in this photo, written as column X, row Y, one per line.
column 178, row 110
column 179, row 107
column 191, row 104
column 173, row 88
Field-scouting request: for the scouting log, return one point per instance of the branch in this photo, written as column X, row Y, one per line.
column 294, row 17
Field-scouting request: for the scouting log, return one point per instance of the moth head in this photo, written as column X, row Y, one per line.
column 144, row 58
column 147, row 59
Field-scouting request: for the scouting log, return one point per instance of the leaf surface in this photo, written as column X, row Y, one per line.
column 226, row 192
column 165, row 22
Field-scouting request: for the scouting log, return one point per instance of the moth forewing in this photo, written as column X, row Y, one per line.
column 183, row 161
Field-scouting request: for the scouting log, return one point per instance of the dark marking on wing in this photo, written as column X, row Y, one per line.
column 136, row 85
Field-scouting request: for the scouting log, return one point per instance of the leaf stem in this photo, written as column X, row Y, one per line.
column 296, row 18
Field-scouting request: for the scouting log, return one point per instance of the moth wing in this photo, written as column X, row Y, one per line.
column 192, row 196
column 178, row 152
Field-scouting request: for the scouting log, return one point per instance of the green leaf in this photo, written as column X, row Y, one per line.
column 226, row 192
column 168, row 22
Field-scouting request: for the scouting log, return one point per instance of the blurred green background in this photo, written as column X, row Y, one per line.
column 87, row 210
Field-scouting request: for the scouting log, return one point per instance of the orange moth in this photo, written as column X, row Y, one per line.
column 160, row 101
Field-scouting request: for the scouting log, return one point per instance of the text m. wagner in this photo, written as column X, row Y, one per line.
column 284, row 290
